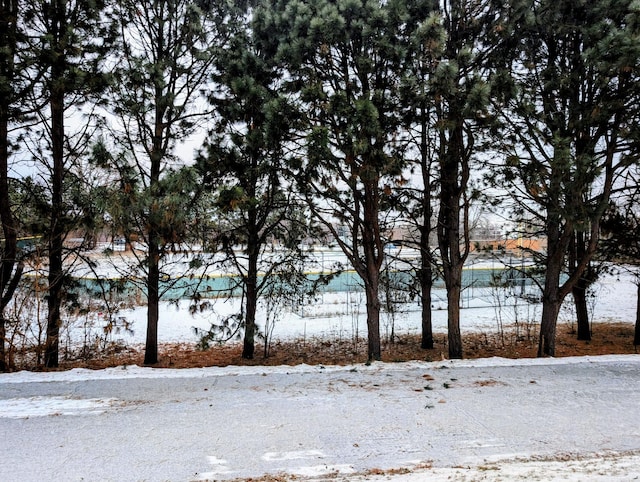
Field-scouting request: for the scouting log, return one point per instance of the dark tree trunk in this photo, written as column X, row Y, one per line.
column 374, row 256
column 249, row 346
column 426, row 282
column 153, row 301
column 253, row 254
column 636, row 338
column 374, row 351
column 453, row 179
column 154, row 240
column 577, row 252
column 550, row 310
column 558, row 242
column 551, row 302
column 154, row 254
column 9, row 12
column 426, row 259
column 54, row 302
column 56, row 228
column 579, row 292
column 454, row 336
column 9, row 248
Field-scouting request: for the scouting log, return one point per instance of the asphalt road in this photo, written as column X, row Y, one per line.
column 215, row 425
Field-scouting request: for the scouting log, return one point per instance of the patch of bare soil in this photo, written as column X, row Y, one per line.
column 607, row 338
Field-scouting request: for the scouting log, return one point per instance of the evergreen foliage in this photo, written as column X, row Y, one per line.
column 364, row 115
column 259, row 218
column 575, row 96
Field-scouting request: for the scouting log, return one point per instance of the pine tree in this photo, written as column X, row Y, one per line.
column 246, row 163
column 576, row 94
column 10, row 267
column 65, row 50
column 166, row 61
column 345, row 59
column 417, row 199
column 462, row 90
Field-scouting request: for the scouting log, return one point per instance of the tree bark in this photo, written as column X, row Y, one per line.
column 9, row 251
column 636, row 338
column 426, row 258
column 9, row 248
column 56, row 227
column 551, row 303
column 426, row 282
column 454, row 336
column 547, row 344
column 153, row 301
column 249, row 345
column 373, row 258
column 374, row 351
column 453, row 179
column 156, row 156
column 579, row 292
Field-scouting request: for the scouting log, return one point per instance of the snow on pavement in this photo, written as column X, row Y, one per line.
column 490, row 419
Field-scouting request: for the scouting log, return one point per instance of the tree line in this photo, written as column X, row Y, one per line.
column 347, row 117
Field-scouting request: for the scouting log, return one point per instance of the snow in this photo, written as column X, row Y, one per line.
column 343, row 316
column 48, row 406
column 572, row 419
column 494, row 419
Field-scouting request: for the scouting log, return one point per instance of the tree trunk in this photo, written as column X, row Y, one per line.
column 636, row 338
column 154, row 224
column 579, row 292
column 249, row 346
column 154, row 248
column 153, row 301
column 559, row 238
column 547, row 345
column 453, row 181
column 9, row 250
column 374, row 351
column 577, row 251
column 551, row 303
column 426, row 282
column 454, row 336
column 56, row 228
column 426, row 259
column 54, row 302
column 373, row 258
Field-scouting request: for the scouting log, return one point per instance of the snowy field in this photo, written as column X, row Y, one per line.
column 343, row 316
column 339, row 315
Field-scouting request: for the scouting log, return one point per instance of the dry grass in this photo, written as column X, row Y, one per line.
column 608, row 338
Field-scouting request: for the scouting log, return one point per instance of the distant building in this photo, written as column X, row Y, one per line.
column 512, row 246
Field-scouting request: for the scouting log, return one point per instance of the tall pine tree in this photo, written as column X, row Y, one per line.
column 345, row 60
column 575, row 74
column 167, row 54
column 66, row 45
column 246, row 163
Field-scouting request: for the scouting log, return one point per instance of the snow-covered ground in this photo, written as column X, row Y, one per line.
column 342, row 315
column 569, row 419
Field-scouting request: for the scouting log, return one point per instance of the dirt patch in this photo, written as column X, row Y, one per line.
column 607, row 338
